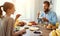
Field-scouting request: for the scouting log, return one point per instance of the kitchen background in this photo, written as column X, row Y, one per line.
column 29, row 8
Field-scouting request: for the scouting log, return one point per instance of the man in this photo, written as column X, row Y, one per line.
column 48, row 15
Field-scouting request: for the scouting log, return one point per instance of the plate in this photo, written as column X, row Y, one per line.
column 34, row 28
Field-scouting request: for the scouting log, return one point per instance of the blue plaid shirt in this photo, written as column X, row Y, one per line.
column 51, row 16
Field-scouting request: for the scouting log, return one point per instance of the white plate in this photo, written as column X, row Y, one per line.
column 34, row 28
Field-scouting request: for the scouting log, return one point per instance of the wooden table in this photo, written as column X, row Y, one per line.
column 44, row 30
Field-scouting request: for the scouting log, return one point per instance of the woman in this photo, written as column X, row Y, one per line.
column 9, row 22
column 1, row 23
column 0, row 12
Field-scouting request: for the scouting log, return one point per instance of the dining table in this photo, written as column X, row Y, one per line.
column 45, row 31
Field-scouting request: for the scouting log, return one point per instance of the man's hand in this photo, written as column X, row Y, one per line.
column 38, row 14
column 45, row 20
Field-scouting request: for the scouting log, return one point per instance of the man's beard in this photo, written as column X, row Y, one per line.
column 46, row 11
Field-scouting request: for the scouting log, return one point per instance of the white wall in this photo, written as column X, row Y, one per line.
column 57, row 8
column 33, row 6
column 37, row 8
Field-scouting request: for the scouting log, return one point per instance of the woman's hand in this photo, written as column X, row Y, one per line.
column 17, row 16
column 19, row 32
column 22, row 31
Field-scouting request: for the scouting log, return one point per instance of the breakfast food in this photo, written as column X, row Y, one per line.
column 17, row 22
column 57, row 24
column 29, row 24
column 45, row 26
column 26, row 27
column 54, row 33
column 33, row 28
column 59, row 27
column 58, row 32
column 49, row 26
column 54, row 27
column 21, row 23
column 32, row 23
column 37, row 32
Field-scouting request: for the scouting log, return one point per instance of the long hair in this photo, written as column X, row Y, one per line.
column 7, row 5
column 0, row 11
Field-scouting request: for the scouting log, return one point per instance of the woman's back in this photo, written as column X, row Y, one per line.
column 8, row 26
column 2, row 33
